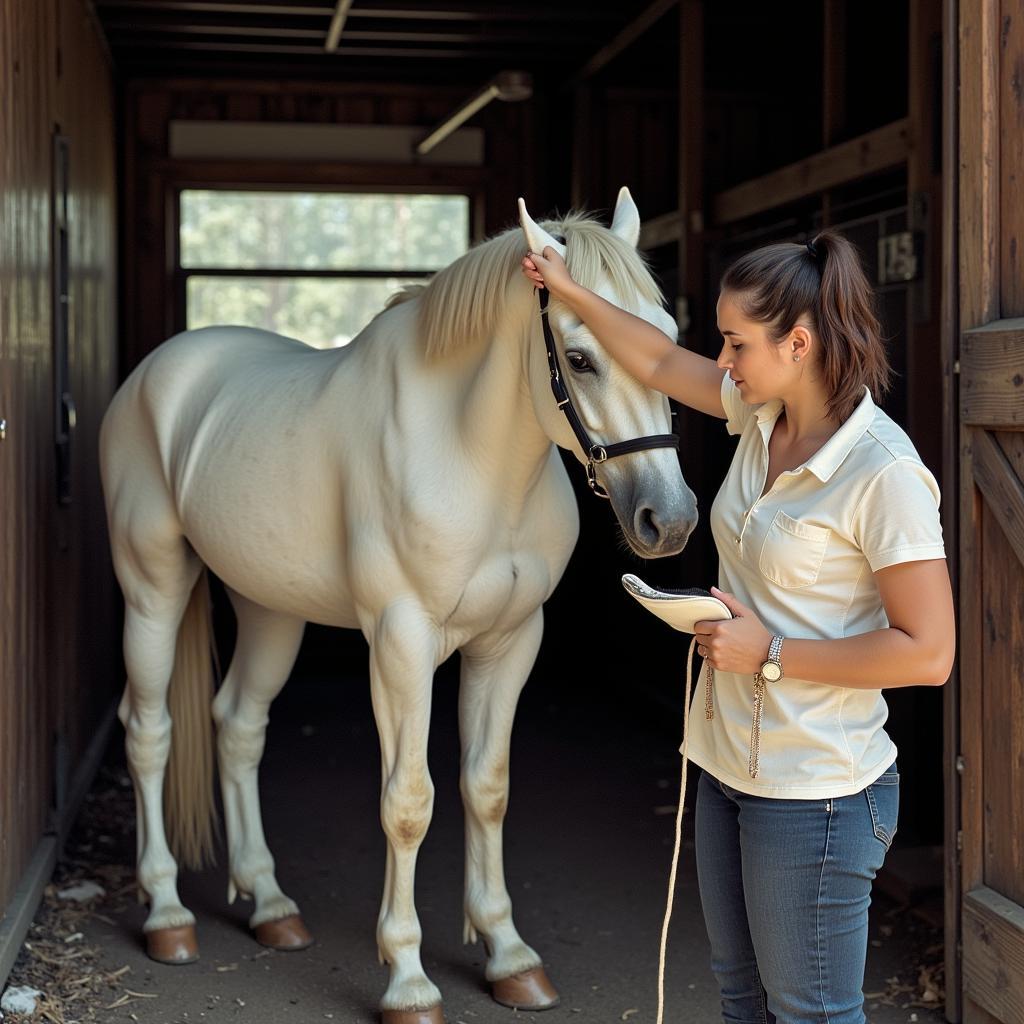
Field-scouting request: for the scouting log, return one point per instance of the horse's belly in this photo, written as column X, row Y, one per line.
column 286, row 563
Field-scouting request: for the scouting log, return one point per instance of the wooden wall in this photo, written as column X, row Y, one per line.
column 57, row 621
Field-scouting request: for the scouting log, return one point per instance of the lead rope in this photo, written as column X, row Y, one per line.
column 709, row 714
column 752, row 766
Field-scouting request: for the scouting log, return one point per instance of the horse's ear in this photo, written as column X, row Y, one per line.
column 536, row 237
column 626, row 219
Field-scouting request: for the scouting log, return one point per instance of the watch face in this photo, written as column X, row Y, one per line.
column 771, row 671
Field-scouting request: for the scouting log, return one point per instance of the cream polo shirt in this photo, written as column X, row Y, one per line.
column 802, row 557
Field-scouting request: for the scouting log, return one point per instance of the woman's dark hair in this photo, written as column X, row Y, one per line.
column 778, row 284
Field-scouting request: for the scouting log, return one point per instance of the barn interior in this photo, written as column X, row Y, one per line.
column 732, row 125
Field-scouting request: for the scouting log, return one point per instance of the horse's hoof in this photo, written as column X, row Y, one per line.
column 173, row 945
column 527, row 990
column 434, row 1015
column 287, row 934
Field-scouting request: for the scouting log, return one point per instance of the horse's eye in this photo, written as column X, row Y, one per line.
column 578, row 361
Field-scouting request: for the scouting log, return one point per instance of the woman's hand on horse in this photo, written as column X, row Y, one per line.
column 739, row 644
column 547, row 270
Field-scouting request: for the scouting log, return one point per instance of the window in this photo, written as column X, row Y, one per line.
column 311, row 265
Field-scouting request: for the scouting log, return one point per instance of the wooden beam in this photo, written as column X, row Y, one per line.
column 580, row 174
column 636, row 28
column 324, row 175
column 1003, row 491
column 123, row 30
column 868, row 154
column 690, row 195
column 979, row 162
column 503, row 56
column 225, row 7
column 992, row 375
column 661, row 230
column 833, row 102
column 993, row 957
column 452, row 10
column 833, row 98
column 130, row 32
column 951, row 503
column 284, row 87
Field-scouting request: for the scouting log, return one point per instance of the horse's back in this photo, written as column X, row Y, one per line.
column 170, row 392
column 176, row 393
column 201, row 362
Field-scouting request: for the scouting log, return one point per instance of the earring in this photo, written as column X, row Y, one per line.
column 796, row 359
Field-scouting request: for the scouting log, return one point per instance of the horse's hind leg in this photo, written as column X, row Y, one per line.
column 403, row 656
column 265, row 651
column 157, row 579
column 494, row 671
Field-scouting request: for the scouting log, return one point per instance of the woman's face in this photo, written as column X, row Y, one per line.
column 761, row 368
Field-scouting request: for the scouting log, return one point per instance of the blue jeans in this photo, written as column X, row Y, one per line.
column 785, row 886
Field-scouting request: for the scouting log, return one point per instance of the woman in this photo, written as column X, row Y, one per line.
column 832, row 563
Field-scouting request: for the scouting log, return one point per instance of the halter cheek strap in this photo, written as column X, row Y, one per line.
column 595, row 453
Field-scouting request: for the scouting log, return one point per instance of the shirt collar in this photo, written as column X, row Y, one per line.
column 829, row 457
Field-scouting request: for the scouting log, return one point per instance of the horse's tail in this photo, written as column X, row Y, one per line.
column 190, row 813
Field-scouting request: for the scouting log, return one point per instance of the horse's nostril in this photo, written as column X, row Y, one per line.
column 647, row 525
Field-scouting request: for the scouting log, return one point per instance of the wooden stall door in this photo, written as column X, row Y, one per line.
column 991, row 413
column 992, row 558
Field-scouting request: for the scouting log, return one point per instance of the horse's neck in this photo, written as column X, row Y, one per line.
column 497, row 419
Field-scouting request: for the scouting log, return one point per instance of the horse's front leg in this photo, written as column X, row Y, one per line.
column 404, row 650
column 494, row 671
column 265, row 651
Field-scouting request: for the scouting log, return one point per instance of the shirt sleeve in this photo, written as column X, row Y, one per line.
column 737, row 413
column 898, row 516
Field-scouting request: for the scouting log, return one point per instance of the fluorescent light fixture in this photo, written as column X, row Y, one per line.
column 511, row 86
column 341, row 9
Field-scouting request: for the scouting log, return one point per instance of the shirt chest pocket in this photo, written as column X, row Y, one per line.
column 792, row 552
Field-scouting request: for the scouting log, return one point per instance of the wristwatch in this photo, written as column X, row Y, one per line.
column 771, row 670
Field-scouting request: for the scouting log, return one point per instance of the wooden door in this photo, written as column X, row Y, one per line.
column 991, row 415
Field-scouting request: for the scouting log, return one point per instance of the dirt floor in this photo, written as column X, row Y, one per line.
column 588, row 842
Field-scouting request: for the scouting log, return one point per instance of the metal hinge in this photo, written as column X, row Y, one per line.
column 959, row 840
column 956, row 366
column 959, row 764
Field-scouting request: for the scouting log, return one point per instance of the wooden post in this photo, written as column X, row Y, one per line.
column 691, row 166
column 978, row 234
column 950, row 349
column 833, row 99
column 582, row 144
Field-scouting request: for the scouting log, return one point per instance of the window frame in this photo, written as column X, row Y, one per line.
column 180, row 274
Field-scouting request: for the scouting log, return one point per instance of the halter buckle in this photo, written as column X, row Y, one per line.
column 598, row 453
column 593, row 482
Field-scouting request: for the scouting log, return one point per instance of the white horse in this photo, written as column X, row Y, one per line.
column 407, row 486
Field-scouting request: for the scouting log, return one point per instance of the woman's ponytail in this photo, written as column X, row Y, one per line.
column 852, row 353
column 822, row 280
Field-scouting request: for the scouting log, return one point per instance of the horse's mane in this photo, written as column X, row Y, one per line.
column 462, row 303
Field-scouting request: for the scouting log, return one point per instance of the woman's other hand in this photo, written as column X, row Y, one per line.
column 739, row 644
column 548, row 270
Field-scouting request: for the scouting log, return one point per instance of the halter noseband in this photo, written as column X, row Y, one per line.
column 595, row 453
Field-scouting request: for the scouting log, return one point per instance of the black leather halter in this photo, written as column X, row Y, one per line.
column 595, row 453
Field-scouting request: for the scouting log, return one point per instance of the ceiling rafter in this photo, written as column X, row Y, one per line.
column 361, row 39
